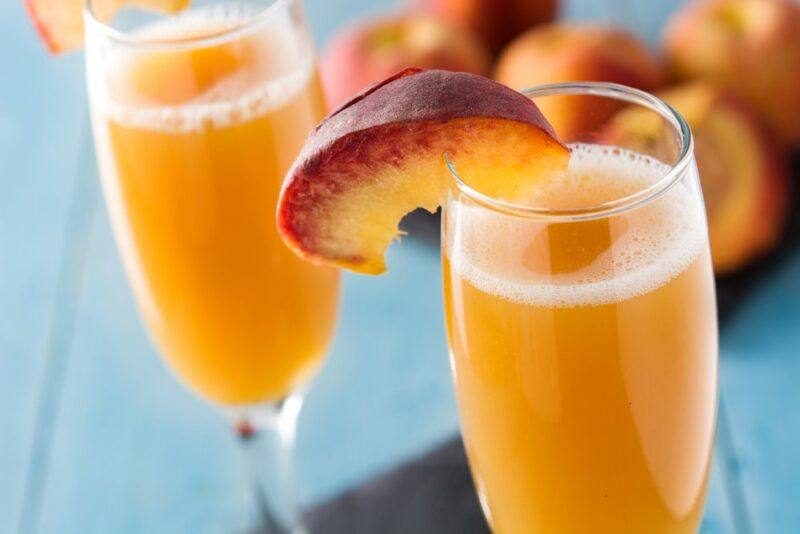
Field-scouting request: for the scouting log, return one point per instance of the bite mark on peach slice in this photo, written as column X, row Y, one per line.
column 60, row 22
column 380, row 156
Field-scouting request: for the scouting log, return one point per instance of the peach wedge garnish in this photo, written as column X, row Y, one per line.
column 380, row 156
column 60, row 22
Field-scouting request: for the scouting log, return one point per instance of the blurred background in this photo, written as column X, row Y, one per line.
column 98, row 437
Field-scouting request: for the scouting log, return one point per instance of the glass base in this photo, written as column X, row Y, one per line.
column 267, row 435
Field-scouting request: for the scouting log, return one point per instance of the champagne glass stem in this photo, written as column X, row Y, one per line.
column 267, row 435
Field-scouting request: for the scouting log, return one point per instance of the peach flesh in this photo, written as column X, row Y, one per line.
column 380, row 156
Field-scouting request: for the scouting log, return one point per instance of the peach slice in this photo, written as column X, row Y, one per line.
column 60, row 22
column 379, row 157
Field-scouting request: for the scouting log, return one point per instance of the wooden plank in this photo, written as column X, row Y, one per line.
column 135, row 452
column 717, row 518
column 386, row 393
column 760, row 370
column 41, row 117
column 56, row 355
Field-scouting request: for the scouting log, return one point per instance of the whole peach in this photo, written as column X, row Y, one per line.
column 751, row 46
column 370, row 51
column 742, row 169
column 497, row 22
column 563, row 52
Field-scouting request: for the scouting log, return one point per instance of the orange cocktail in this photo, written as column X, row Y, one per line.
column 578, row 287
column 584, row 353
column 193, row 140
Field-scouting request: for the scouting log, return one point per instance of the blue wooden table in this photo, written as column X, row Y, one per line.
column 96, row 436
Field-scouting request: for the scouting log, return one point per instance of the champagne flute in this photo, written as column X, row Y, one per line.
column 196, row 119
column 582, row 327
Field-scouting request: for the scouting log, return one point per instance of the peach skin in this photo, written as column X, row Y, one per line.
column 496, row 22
column 566, row 52
column 380, row 156
column 373, row 50
column 750, row 46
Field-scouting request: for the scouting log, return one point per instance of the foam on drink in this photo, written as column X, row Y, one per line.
column 269, row 65
column 649, row 245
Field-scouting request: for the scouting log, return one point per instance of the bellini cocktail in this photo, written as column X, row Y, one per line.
column 193, row 140
column 196, row 118
column 584, row 352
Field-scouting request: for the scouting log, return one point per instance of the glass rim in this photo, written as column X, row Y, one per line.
column 604, row 209
column 125, row 38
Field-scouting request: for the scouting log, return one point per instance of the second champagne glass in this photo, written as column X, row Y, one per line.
column 196, row 119
column 582, row 328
